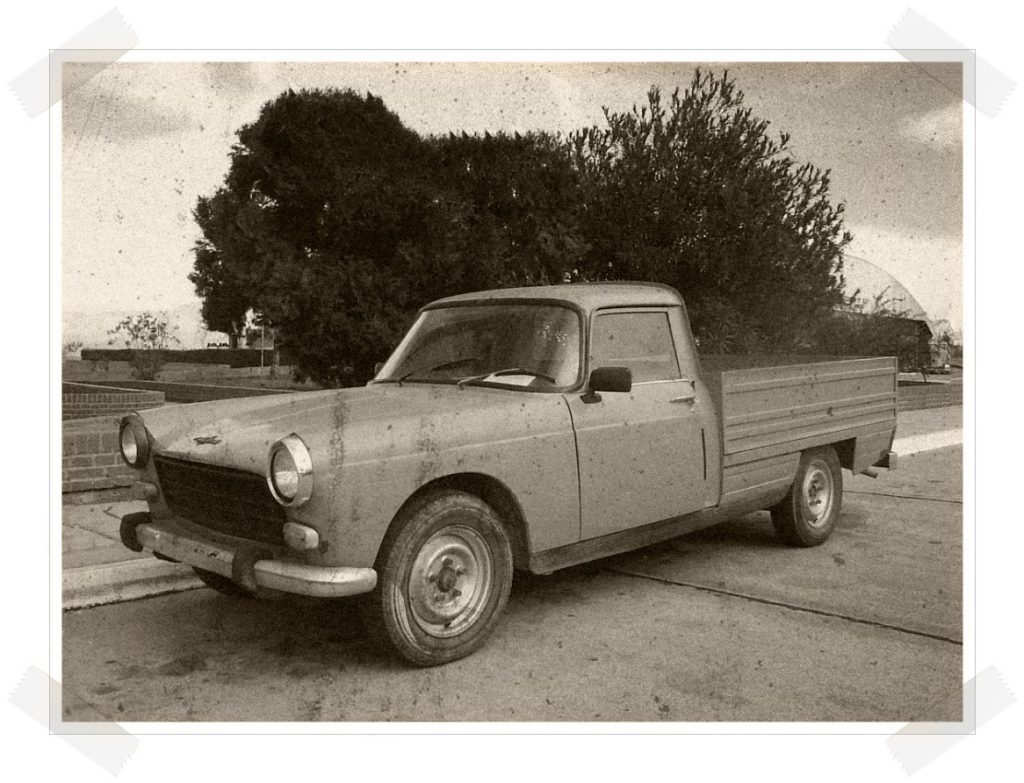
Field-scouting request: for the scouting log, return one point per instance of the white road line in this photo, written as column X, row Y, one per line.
column 928, row 442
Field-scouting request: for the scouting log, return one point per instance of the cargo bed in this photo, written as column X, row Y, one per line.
column 772, row 408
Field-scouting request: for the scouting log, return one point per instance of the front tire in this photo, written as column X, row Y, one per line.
column 809, row 512
column 444, row 575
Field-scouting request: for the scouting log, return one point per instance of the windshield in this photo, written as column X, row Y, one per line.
column 528, row 345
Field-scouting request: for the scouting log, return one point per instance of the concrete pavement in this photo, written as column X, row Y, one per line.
column 98, row 569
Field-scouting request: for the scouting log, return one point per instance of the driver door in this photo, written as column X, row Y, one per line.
column 641, row 453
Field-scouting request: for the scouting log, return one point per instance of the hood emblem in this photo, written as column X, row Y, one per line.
column 204, row 440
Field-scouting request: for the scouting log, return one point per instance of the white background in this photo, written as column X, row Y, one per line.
column 31, row 313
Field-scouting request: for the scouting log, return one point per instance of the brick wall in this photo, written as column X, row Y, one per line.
column 91, row 456
column 80, row 400
column 191, row 392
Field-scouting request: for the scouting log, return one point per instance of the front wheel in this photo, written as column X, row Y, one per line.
column 808, row 514
column 444, row 576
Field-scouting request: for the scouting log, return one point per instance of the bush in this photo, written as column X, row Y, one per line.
column 146, row 336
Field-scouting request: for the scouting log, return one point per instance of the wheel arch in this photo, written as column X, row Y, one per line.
column 494, row 493
column 846, row 450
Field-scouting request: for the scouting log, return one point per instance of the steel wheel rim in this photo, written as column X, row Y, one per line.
column 450, row 581
column 817, row 496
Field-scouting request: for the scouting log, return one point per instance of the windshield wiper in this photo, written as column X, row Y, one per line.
column 435, row 368
column 509, row 371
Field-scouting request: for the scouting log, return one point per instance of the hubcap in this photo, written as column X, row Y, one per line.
column 450, row 581
column 817, row 496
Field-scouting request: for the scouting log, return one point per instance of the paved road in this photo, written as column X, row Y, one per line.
column 724, row 624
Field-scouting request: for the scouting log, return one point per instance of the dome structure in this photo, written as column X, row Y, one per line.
column 870, row 280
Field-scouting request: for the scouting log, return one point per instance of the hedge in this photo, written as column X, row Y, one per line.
column 233, row 357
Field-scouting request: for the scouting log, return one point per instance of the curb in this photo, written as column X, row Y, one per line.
column 929, row 441
column 126, row 581
column 91, row 497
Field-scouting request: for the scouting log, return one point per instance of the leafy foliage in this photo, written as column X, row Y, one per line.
column 224, row 303
column 695, row 192
column 147, row 336
column 515, row 200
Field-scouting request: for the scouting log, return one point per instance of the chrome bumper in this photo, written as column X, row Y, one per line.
column 171, row 541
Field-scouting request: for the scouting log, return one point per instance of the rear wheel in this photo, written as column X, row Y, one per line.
column 808, row 514
column 444, row 576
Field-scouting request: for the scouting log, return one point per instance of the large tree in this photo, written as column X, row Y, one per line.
column 324, row 189
column 336, row 222
column 697, row 193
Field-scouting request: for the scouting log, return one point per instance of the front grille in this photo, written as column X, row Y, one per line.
column 223, row 499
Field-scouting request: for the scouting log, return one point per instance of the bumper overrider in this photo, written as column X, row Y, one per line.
column 252, row 566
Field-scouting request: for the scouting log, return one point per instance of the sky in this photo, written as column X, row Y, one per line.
column 142, row 141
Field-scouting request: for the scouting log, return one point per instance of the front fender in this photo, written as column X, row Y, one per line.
column 372, row 467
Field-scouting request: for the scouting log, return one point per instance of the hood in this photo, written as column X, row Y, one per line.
column 239, row 432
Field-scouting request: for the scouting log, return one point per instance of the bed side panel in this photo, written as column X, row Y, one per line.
column 772, row 411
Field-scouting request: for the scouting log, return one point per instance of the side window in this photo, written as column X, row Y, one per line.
column 640, row 341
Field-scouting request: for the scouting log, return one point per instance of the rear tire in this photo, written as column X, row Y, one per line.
column 809, row 512
column 444, row 575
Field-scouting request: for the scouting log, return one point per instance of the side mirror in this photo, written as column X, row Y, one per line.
column 608, row 379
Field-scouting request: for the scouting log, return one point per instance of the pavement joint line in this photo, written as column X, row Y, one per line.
column 901, row 497
column 785, row 605
column 73, row 526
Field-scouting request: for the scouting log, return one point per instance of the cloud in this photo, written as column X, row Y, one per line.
column 121, row 118
column 124, row 103
column 231, row 79
column 939, row 128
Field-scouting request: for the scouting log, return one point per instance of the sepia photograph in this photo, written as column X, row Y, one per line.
column 538, row 390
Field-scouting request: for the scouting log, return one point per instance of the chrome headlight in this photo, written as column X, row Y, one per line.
column 134, row 441
column 290, row 471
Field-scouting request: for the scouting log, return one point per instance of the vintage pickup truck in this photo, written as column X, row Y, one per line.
column 532, row 428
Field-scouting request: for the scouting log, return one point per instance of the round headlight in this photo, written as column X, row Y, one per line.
column 285, row 474
column 129, row 448
column 290, row 471
column 134, row 441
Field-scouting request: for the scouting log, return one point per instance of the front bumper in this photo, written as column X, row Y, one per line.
column 253, row 567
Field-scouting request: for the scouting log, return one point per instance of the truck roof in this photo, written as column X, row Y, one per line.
column 586, row 296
